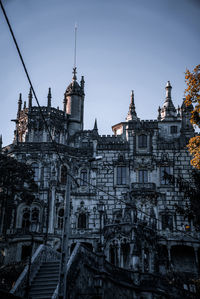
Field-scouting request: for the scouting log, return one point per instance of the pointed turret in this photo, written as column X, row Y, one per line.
column 132, row 115
column 49, row 98
column 19, row 104
column 186, row 126
column 168, row 111
column 1, row 143
column 95, row 126
column 159, row 113
column 30, row 98
column 73, row 103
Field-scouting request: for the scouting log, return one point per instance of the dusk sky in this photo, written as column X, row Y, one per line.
column 121, row 45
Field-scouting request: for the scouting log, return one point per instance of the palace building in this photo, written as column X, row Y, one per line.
column 121, row 201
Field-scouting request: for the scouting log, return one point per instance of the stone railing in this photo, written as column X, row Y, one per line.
column 42, row 254
column 143, row 186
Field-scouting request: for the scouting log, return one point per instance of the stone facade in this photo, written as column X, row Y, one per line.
column 121, row 202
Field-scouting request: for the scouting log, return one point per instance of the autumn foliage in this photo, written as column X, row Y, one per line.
column 192, row 93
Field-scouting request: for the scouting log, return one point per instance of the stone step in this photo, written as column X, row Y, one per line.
column 48, row 286
column 48, row 269
column 42, row 291
column 44, row 281
column 50, row 266
column 47, row 274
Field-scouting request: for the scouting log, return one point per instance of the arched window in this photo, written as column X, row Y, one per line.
column 125, row 252
column 63, row 176
column 29, row 215
column 113, row 255
column 60, row 218
column 35, row 168
column 83, row 180
column 142, row 141
column 82, row 220
column 26, row 218
column 35, row 215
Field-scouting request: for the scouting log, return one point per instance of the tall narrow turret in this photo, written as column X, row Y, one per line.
column 132, row 115
column 73, row 103
column 168, row 111
column 30, row 97
column 19, row 104
column 1, row 143
column 49, row 98
column 186, row 126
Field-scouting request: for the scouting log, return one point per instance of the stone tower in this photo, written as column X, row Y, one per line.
column 73, row 104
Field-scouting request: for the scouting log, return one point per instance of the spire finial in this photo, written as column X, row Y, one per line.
column 95, row 125
column 49, row 98
column 30, row 97
column 132, row 97
column 74, row 74
column 1, row 143
column 19, row 103
column 24, row 104
column 131, row 113
column 159, row 113
column 168, row 90
column 82, row 82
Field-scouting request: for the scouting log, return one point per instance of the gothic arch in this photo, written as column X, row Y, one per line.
column 60, row 217
column 82, row 215
column 27, row 214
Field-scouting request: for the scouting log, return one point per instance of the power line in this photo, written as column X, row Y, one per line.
column 31, row 85
column 47, row 127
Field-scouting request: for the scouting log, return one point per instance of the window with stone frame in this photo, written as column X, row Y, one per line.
column 26, row 218
column 142, row 141
column 167, row 221
column 121, row 175
column 35, row 215
column 83, row 177
column 82, row 221
column 60, row 218
column 173, row 129
column 63, row 175
column 164, row 171
column 143, row 176
column 30, row 216
column 35, row 168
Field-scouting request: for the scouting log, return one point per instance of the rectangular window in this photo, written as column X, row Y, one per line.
column 83, row 180
column 142, row 141
column 173, row 129
column 121, row 175
column 143, row 176
column 167, row 221
column 164, row 171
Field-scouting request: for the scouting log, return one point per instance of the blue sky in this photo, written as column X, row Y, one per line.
column 121, row 45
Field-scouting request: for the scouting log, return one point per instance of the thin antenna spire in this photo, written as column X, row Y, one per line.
column 75, row 36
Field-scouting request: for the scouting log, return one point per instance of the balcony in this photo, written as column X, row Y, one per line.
column 143, row 186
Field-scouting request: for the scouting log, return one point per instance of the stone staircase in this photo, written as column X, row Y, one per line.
column 46, row 280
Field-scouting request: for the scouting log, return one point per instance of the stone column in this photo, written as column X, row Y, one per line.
column 196, row 258
column 142, row 263
column 51, row 209
column 169, row 256
column 151, row 262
